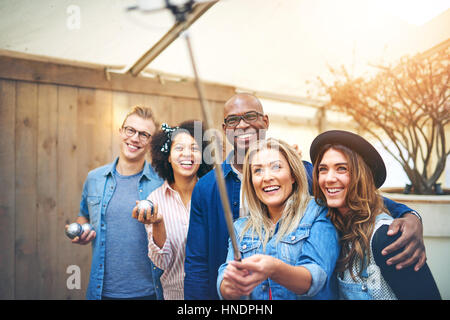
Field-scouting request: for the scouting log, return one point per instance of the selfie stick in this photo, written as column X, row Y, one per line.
column 180, row 16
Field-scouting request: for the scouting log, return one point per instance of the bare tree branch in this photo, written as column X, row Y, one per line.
column 410, row 103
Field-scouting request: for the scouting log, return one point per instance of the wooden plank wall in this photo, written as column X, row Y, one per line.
column 51, row 135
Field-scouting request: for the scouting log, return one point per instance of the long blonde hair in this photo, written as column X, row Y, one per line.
column 295, row 205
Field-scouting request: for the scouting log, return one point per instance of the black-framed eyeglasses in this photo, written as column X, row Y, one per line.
column 143, row 136
column 249, row 117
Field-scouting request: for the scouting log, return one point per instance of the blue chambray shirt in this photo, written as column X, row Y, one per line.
column 313, row 245
column 97, row 192
column 207, row 239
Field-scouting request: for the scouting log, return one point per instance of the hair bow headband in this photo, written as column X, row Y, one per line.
column 168, row 131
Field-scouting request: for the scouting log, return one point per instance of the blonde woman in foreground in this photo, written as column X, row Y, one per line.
column 288, row 246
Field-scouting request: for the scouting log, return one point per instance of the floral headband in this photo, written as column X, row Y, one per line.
column 168, row 131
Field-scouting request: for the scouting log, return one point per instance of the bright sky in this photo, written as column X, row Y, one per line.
column 415, row 12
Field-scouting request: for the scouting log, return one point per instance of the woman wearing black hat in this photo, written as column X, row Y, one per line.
column 347, row 173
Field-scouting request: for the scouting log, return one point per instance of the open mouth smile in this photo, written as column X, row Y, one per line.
column 333, row 191
column 245, row 136
column 187, row 164
column 132, row 147
column 271, row 189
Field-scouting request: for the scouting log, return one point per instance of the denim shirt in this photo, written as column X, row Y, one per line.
column 312, row 245
column 207, row 239
column 371, row 285
column 97, row 192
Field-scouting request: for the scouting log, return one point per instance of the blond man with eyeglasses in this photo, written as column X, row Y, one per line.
column 120, row 266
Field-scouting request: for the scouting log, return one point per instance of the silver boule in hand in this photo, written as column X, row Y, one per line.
column 87, row 227
column 147, row 205
column 74, row 230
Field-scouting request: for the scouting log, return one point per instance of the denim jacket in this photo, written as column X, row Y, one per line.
column 371, row 285
column 97, row 192
column 207, row 240
column 313, row 245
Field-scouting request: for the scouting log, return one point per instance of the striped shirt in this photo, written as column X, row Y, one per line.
column 170, row 257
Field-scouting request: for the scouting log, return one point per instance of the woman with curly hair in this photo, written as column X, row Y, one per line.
column 177, row 158
column 347, row 173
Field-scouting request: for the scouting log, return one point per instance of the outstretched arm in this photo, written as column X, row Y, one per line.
column 242, row 277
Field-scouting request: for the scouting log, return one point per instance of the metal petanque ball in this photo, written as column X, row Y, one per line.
column 87, row 227
column 146, row 205
column 74, row 230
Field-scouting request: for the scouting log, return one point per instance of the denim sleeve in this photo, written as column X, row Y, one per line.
column 230, row 256
column 309, row 174
column 396, row 209
column 320, row 253
column 84, row 211
column 196, row 261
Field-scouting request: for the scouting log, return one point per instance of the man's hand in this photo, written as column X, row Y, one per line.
column 411, row 240
column 85, row 238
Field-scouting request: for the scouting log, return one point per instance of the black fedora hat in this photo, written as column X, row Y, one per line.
column 355, row 143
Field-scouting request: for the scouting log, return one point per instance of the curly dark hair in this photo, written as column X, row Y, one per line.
column 160, row 160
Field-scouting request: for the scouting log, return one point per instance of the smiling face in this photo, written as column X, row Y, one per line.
column 272, row 179
column 334, row 179
column 133, row 149
column 185, row 156
column 244, row 133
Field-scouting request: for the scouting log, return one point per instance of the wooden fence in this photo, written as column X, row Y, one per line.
column 57, row 122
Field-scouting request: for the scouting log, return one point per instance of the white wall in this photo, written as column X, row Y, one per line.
column 438, row 259
column 435, row 212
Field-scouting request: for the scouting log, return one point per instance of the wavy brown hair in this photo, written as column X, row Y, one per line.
column 365, row 203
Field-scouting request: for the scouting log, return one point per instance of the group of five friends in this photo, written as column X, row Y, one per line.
column 307, row 231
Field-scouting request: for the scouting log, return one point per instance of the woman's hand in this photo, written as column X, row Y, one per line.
column 155, row 219
column 147, row 217
column 240, row 278
column 231, row 286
